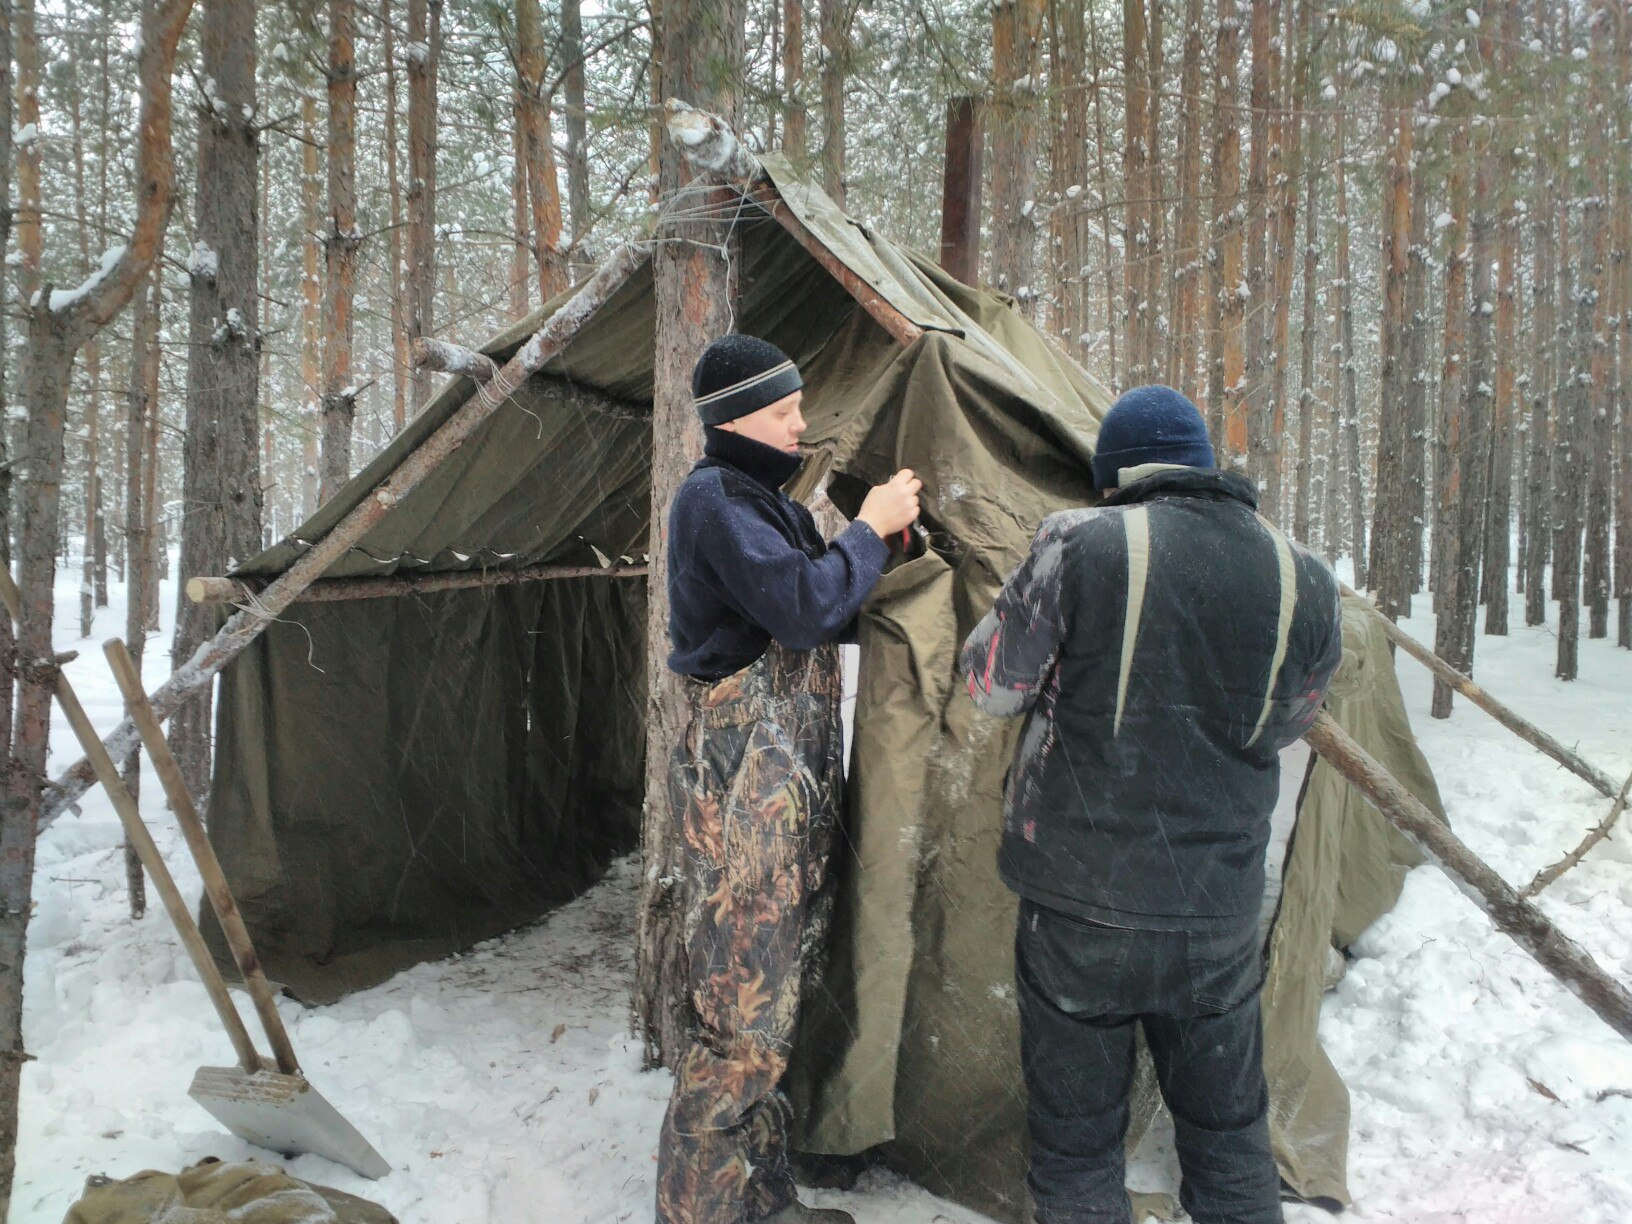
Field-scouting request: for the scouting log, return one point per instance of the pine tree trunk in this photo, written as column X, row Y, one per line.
column 1108, row 267
column 835, row 19
column 1301, row 519
column 401, row 368
column 543, row 189
column 1017, row 27
column 30, row 237
column 1187, row 254
column 702, row 56
column 521, row 252
column 1600, row 429
column 1227, row 390
column 1345, row 393
column 8, row 661
column 577, row 125
column 341, row 239
column 1542, row 424
column 1468, row 449
column 1136, row 200
column 1622, row 264
column 141, row 418
column 311, row 296
column 54, row 335
column 1388, row 570
column 1261, row 255
column 221, row 473
column 1499, row 524
column 795, row 113
column 424, row 55
column 1068, row 170
column 1453, row 381
column 1154, row 213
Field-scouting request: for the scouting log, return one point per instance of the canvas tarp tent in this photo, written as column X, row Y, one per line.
column 398, row 778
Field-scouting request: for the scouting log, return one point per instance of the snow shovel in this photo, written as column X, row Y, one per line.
column 277, row 1109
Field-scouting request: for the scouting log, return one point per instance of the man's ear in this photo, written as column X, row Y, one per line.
column 728, row 426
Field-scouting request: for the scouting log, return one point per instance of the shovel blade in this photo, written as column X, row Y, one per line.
column 284, row 1114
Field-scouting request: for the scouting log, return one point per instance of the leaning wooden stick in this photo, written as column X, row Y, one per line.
column 246, row 625
column 1528, row 926
column 136, row 832
column 331, row 590
column 209, row 867
column 1524, row 729
column 1547, row 875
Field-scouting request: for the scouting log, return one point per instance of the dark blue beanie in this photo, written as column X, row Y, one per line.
column 1150, row 425
column 739, row 374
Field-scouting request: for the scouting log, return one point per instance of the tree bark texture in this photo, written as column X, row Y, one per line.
column 341, row 238
column 702, row 55
column 424, row 53
column 1017, row 28
column 56, row 331
column 221, row 473
column 543, row 188
column 576, row 121
column 1136, row 202
column 1227, row 389
column 1388, row 570
column 1188, row 262
column 401, row 376
column 835, row 20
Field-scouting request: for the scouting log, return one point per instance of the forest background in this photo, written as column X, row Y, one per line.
column 1383, row 245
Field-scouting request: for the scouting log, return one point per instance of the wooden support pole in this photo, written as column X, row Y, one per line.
column 248, row 624
column 100, row 762
column 1524, row 729
column 447, row 358
column 960, row 190
column 209, row 867
column 335, row 590
column 1528, row 926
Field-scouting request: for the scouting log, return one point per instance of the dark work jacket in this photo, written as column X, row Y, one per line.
column 747, row 564
column 1164, row 646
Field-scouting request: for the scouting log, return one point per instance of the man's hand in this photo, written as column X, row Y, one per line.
column 893, row 506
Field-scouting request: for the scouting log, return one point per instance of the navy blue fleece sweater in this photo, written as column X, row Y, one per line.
column 747, row 564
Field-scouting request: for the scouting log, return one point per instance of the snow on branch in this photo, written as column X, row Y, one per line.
column 708, row 142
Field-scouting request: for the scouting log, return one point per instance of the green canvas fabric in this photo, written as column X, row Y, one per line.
column 398, row 778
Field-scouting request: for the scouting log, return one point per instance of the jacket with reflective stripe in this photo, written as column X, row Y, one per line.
column 1163, row 646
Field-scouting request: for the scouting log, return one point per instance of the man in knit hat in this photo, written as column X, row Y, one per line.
column 1163, row 646
column 757, row 602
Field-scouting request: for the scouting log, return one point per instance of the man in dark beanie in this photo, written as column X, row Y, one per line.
column 1164, row 646
column 757, row 602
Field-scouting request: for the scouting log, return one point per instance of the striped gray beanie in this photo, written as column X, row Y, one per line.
column 740, row 374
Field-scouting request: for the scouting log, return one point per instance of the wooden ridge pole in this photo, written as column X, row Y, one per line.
column 334, row 590
column 248, row 624
column 1524, row 729
column 1513, row 914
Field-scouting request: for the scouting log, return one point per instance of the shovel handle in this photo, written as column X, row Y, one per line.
column 198, row 841
column 108, row 774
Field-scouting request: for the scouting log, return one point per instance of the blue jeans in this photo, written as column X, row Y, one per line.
column 1081, row 987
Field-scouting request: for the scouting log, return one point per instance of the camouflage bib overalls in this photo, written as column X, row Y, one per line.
column 755, row 782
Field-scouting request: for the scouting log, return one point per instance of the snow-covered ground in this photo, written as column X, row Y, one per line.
column 503, row 1085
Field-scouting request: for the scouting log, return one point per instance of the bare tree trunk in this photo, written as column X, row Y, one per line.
column 1600, row 428
column 30, row 238
column 311, row 295
column 795, row 113
column 141, row 419
column 577, row 124
column 543, row 190
column 8, row 662
column 1136, row 202
column 1227, row 390
column 340, row 243
column 835, row 17
column 1623, row 310
column 1154, row 212
column 1345, row 394
column 401, row 370
column 1388, row 569
column 1538, row 483
column 1017, row 27
column 1261, row 256
column 1453, row 380
column 1187, row 253
column 521, row 252
column 1301, row 516
column 1068, row 171
column 1499, row 523
column 221, row 477
column 702, row 55
column 57, row 329
column 1109, row 265
column 1468, row 449
column 424, row 56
